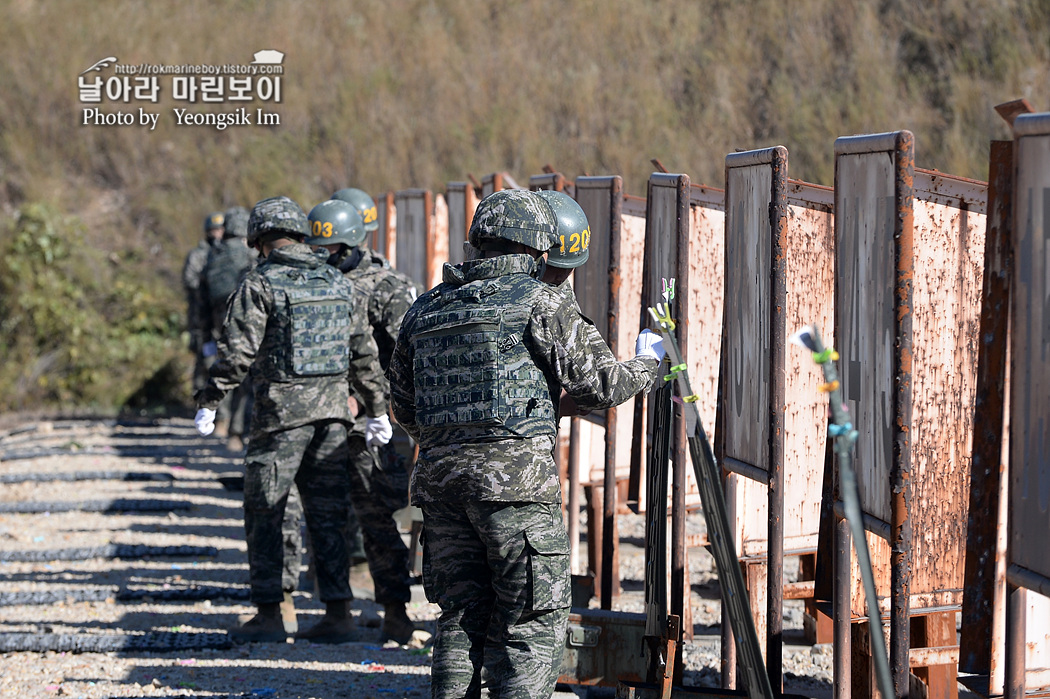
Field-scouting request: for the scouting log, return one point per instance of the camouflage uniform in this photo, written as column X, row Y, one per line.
column 390, row 294
column 298, row 431
column 191, row 280
column 228, row 261
column 378, row 476
column 495, row 554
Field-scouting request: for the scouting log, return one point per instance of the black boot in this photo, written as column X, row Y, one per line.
column 265, row 627
column 337, row 626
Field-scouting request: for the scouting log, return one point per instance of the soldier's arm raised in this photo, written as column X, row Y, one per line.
column 580, row 359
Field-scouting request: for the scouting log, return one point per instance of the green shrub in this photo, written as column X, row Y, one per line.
column 76, row 329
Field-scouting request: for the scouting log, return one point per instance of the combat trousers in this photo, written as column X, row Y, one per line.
column 313, row 457
column 500, row 573
column 378, row 488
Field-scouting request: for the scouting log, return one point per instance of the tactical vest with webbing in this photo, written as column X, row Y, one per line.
column 312, row 322
column 226, row 266
column 473, row 374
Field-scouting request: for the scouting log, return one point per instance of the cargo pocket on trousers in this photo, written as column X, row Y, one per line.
column 260, row 486
column 549, row 579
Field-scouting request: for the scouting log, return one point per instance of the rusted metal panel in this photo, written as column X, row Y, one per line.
column 874, row 312
column 752, row 381
column 700, row 319
column 792, row 263
column 701, row 339
column 599, row 280
column 414, row 233
column 700, row 336
column 668, row 260
column 1029, row 410
column 598, row 285
column 554, row 181
column 949, row 225
column 1029, row 508
column 665, row 257
column 632, row 248
column 746, row 387
column 493, row 182
column 949, row 249
column 437, row 240
column 980, row 630
column 810, row 298
column 911, row 359
column 865, row 326
column 459, row 196
column 632, row 237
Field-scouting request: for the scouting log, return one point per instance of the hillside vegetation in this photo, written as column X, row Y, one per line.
column 385, row 95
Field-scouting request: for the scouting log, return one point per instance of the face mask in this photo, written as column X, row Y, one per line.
column 350, row 261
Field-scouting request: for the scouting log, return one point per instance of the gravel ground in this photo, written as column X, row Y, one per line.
column 87, row 602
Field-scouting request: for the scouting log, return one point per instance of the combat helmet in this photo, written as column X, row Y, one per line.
column 335, row 221
column 574, row 233
column 276, row 217
column 235, row 222
column 364, row 203
column 517, row 215
column 212, row 221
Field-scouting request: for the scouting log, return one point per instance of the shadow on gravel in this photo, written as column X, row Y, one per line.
column 366, row 676
column 628, row 585
column 167, row 572
column 213, row 622
column 808, row 686
column 225, row 531
column 707, row 590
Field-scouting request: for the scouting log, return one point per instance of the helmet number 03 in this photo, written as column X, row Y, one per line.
column 578, row 242
column 323, row 229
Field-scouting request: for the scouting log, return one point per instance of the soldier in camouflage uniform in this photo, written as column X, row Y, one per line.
column 378, row 477
column 478, row 365
column 191, row 277
column 228, row 262
column 291, row 324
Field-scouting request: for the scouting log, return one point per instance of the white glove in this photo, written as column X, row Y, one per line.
column 378, row 431
column 649, row 344
column 209, row 349
column 205, row 421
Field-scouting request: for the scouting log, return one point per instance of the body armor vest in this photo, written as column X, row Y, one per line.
column 226, row 266
column 471, row 366
column 313, row 322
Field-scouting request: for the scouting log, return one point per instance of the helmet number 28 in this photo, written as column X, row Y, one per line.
column 323, row 229
column 578, row 242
